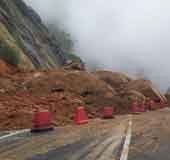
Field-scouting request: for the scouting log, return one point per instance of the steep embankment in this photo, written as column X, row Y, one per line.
column 24, row 39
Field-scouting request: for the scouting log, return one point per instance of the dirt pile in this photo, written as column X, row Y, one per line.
column 60, row 91
column 128, row 89
column 134, row 95
column 17, row 110
column 142, row 86
column 146, row 88
column 81, row 83
column 115, row 79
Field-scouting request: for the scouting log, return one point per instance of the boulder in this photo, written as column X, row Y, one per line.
column 70, row 65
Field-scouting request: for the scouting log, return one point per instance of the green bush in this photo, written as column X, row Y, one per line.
column 9, row 54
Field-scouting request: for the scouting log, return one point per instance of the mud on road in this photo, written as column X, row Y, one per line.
column 150, row 138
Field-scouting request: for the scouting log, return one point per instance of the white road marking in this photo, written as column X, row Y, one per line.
column 96, row 151
column 108, row 153
column 14, row 133
column 125, row 152
column 81, row 152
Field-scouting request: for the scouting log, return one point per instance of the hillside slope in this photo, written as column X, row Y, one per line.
column 22, row 30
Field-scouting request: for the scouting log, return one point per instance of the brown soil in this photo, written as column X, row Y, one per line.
column 59, row 91
column 142, row 86
column 4, row 68
column 116, row 80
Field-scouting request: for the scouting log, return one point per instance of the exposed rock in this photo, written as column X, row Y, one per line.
column 70, row 65
column 22, row 28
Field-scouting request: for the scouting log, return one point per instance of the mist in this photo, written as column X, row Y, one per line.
column 130, row 36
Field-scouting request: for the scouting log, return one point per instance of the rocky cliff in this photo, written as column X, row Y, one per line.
column 22, row 30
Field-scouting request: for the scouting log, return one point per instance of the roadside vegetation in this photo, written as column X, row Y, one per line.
column 65, row 41
column 9, row 54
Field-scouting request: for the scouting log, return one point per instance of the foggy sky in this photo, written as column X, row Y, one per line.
column 131, row 36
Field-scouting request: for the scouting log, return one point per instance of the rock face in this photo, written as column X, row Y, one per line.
column 22, row 28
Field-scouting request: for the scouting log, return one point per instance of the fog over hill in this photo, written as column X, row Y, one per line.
column 131, row 36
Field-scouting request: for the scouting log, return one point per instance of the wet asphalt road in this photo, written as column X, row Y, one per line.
column 153, row 143
column 46, row 146
column 162, row 152
column 82, row 150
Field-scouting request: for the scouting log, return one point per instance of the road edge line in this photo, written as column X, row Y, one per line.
column 125, row 151
column 14, row 133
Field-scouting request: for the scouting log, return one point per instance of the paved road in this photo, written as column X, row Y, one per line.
column 54, row 145
column 150, row 141
column 3, row 133
column 161, row 152
column 85, row 149
column 151, row 137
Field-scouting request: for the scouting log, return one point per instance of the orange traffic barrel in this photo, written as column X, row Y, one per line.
column 152, row 105
column 134, row 108
column 142, row 107
column 80, row 116
column 108, row 112
column 42, row 121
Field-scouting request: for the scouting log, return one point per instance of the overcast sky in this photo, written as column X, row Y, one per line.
column 123, row 35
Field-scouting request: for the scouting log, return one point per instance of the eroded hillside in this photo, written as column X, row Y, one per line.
column 24, row 39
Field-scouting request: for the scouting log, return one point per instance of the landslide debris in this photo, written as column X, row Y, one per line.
column 4, row 68
column 146, row 88
column 114, row 79
column 130, row 89
column 60, row 91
